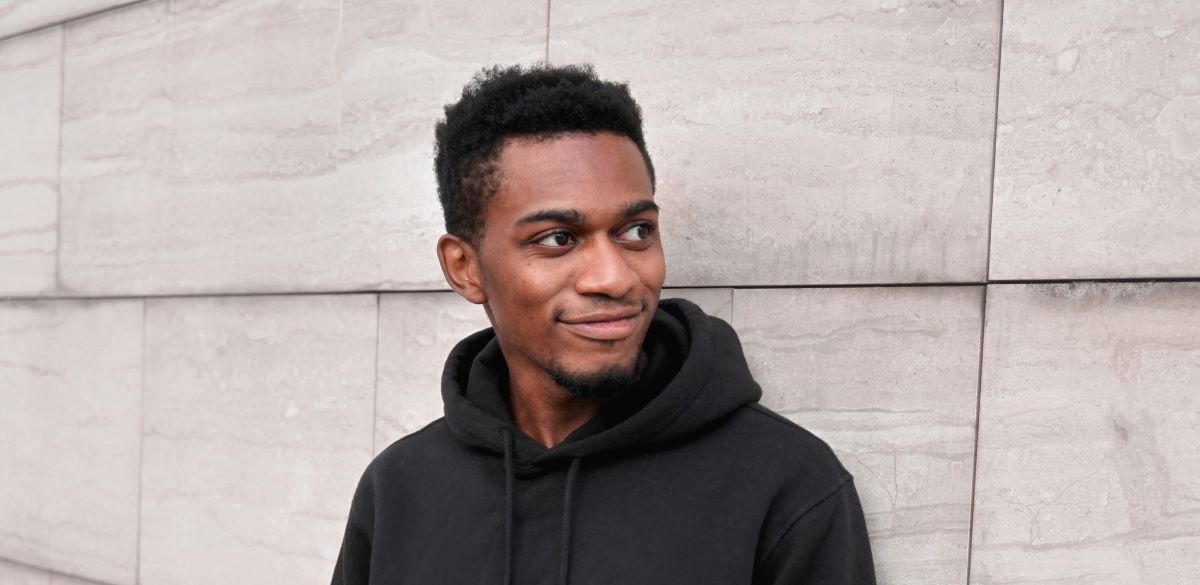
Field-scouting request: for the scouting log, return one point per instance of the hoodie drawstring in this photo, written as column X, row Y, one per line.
column 508, row 506
column 565, row 555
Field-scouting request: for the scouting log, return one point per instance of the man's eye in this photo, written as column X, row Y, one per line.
column 641, row 231
column 555, row 239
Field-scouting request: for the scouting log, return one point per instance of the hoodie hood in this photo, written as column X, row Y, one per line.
column 695, row 373
column 463, row 475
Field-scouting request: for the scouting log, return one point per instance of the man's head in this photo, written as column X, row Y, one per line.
column 548, row 191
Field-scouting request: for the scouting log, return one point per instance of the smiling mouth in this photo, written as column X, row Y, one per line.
column 605, row 330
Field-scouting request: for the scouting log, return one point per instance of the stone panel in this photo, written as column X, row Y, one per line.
column 18, row 16
column 30, row 87
column 1089, row 460
column 15, row 574
column 257, row 427
column 197, row 151
column 399, row 63
column 416, row 333
column 19, row 574
column 888, row 376
column 266, row 146
column 71, row 389
column 845, row 141
column 1098, row 143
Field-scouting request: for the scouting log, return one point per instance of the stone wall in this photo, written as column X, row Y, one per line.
column 960, row 241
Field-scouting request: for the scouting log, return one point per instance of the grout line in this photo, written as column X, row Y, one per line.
column 983, row 310
column 975, row 447
column 72, row 18
column 280, row 293
column 547, row 56
column 375, row 381
column 52, row 572
column 987, row 271
column 733, row 306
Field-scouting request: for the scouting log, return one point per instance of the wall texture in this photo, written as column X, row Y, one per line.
column 960, row 240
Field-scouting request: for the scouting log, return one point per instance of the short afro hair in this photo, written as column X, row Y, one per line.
column 539, row 101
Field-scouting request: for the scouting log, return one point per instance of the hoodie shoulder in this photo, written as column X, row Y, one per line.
column 805, row 467
column 801, row 468
column 417, row 443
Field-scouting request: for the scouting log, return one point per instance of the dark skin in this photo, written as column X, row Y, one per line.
column 571, row 235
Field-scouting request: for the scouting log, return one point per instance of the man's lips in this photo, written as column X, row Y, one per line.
column 607, row 327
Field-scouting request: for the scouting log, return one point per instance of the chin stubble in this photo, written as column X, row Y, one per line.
column 605, row 383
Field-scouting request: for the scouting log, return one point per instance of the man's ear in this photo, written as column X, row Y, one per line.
column 460, row 266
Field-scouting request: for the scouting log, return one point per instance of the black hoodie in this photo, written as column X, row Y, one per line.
column 684, row 478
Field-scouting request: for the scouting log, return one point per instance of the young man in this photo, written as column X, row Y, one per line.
column 594, row 435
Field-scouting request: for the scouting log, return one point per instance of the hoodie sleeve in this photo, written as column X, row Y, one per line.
column 353, row 565
column 825, row 544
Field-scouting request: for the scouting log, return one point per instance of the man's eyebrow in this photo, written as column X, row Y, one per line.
column 577, row 217
column 637, row 207
column 562, row 216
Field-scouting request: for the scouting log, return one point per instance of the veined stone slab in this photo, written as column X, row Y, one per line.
column 196, row 150
column 1089, row 460
column 30, row 76
column 18, row 16
column 847, row 141
column 265, row 146
column 19, row 574
column 888, row 377
column 399, row 64
column 70, row 422
column 257, row 426
column 416, row 333
column 1098, row 143
column 14, row 574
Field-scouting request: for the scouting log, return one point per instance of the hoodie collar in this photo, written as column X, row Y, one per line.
column 695, row 373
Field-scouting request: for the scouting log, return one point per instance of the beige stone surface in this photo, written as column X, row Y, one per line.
column 888, row 377
column 844, row 141
column 1089, row 460
column 16, row 574
column 417, row 332
column 18, row 16
column 257, row 427
column 196, row 150
column 20, row 574
column 1098, row 143
column 399, row 63
column 71, row 389
column 717, row 302
column 266, row 145
column 30, row 75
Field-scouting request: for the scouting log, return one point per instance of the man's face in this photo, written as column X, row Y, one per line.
column 571, row 259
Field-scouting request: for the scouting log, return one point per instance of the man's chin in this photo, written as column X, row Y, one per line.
column 600, row 382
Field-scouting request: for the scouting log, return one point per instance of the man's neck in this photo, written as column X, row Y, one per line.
column 544, row 411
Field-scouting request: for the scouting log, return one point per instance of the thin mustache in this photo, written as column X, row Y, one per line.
column 607, row 309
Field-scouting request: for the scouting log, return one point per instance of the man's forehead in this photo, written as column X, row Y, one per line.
column 572, row 176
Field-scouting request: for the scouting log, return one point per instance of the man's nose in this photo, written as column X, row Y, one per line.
column 606, row 270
